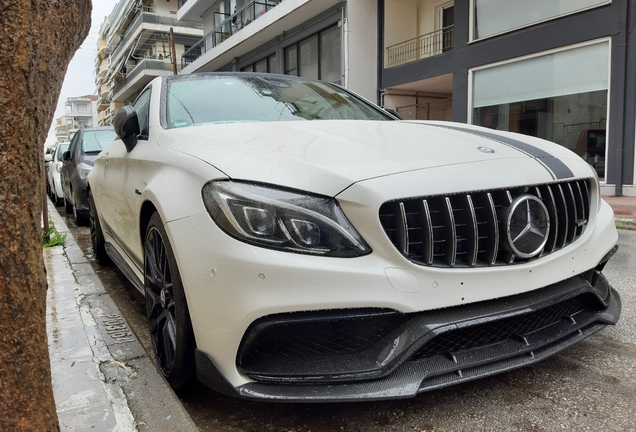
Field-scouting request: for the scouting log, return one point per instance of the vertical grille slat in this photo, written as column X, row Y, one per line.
column 450, row 247
column 582, row 209
column 562, row 215
column 550, row 203
column 403, row 232
column 572, row 213
column 468, row 229
column 494, row 231
column 473, row 242
column 427, row 254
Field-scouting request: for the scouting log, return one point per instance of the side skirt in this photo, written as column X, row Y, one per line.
column 121, row 263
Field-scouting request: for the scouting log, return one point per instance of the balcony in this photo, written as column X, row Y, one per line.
column 230, row 25
column 424, row 46
column 103, row 48
column 146, row 20
column 103, row 68
column 138, row 76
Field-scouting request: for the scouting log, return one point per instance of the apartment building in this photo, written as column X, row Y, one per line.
column 134, row 47
column 562, row 70
column 81, row 112
column 62, row 129
column 326, row 39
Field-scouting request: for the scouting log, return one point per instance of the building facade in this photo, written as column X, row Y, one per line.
column 331, row 40
column 562, row 70
column 134, row 47
column 81, row 112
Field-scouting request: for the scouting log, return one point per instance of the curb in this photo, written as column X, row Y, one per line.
column 626, row 223
column 103, row 379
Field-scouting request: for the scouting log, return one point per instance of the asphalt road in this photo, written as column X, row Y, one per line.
column 590, row 386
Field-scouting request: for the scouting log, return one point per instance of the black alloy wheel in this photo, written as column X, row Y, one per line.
column 97, row 236
column 168, row 317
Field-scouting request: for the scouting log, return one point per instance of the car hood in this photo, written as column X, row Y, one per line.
column 327, row 156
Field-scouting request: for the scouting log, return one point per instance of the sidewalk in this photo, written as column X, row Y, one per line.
column 102, row 378
column 624, row 211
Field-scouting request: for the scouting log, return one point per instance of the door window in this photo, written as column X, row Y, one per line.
column 142, row 106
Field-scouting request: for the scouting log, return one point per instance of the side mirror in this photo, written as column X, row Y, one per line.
column 66, row 155
column 393, row 112
column 48, row 157
column 126, row 126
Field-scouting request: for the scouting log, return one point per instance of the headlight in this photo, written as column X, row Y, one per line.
column 83, row 170
column 282, row 219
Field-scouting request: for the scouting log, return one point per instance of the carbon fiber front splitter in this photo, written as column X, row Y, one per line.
column 413, row 377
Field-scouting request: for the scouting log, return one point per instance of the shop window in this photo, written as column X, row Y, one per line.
column 491, row 17
column 316, row 57
column 267, row 65
column 291, row 60
column 551, row 97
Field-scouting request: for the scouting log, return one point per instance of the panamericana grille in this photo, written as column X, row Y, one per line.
column 516, row 327
column 466, row 230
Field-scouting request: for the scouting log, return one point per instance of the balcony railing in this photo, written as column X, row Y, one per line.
column 424, row 46
column 150, row 18
column 137, row 69
column 231, row 25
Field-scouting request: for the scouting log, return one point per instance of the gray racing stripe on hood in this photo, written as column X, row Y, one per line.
column 556, row 168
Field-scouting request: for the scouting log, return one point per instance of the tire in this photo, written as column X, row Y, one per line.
column 59, row 202
column 97, row 236
column 168, row 317
column 68, row 206
column 80, row 219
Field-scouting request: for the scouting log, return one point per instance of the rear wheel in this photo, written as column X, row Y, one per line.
column 68, row 206
column 168, row 317
column 97, row 236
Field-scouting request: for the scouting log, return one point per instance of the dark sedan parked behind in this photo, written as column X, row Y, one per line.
column 78, row 162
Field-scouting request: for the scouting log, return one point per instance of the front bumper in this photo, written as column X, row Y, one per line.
column 427, row 350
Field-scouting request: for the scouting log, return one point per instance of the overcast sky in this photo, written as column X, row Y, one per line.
column 80, row 76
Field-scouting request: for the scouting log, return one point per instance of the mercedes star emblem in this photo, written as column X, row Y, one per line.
column 528, row 226
column 485, row 149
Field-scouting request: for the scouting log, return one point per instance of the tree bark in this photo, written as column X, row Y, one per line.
column 37, row 40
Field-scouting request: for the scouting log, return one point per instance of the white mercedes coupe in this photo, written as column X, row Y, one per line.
column 295, row 242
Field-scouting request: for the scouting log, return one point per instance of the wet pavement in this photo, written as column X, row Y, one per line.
column 103, row 380
column 590, row 386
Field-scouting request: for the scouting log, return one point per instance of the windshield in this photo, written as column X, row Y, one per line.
column 205, row 99
column 96, row 141
column 60, row 151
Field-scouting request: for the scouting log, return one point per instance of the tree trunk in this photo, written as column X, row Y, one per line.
column 37, row 40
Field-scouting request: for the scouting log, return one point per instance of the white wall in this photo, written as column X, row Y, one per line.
column 361, row 48
column 427, row 15
column 400, row 21
column 396, row 101
column 166, row 7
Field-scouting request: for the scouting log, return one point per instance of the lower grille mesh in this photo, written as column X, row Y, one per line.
column 499, row 331
column 321, row 337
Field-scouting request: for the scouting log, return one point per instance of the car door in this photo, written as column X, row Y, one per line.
column 122, row 184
